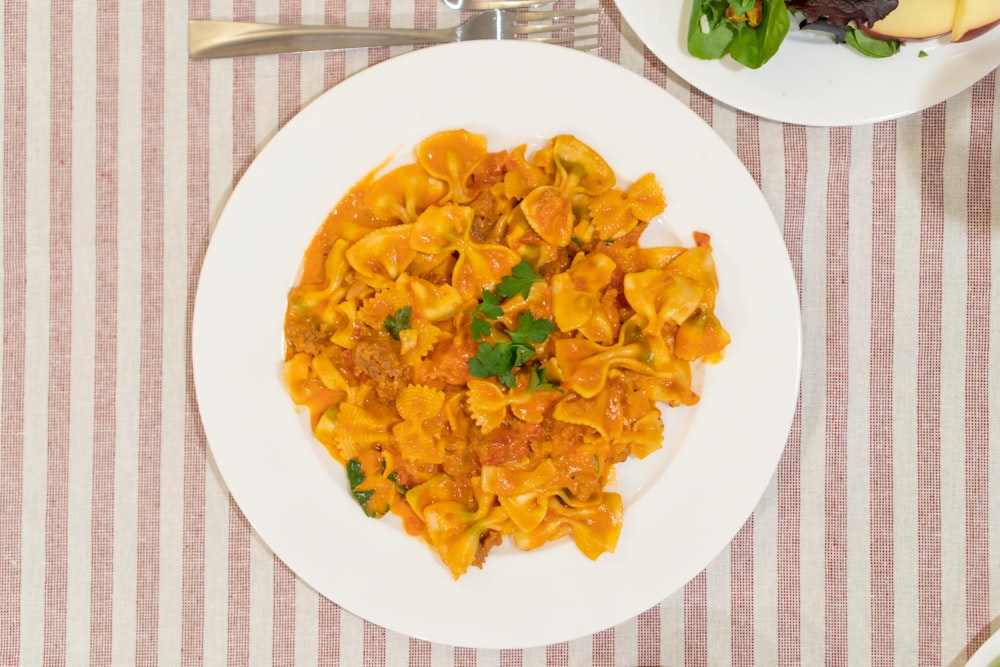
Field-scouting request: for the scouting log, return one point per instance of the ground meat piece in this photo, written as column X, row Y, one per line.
column 561, row 262
column 301, row 335
column 487, row 541
column 448, row 363
column 485, row 219
column 510, row 444
column 490, row 170
column 379, row 361
column 462, row 464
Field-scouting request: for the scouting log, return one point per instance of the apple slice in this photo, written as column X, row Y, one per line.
column 916, row 19
column 973, row 18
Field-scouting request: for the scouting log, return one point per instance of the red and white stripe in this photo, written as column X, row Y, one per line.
column 876, row 542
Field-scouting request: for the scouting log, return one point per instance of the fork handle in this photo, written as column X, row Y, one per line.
column 226, row 39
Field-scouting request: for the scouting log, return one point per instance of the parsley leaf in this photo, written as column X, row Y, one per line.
column 394, row 478
column 355, row 477
column 538, row 381
column 501, row 359
column 508, row 379
column 520, row 353
column 530, row 329
column 490, row 306
column 480, row 328
column 488, row 309
column 490, row 360
column 396, row 323
column 519, row 283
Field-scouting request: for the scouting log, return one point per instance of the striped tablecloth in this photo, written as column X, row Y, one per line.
column 877, row 542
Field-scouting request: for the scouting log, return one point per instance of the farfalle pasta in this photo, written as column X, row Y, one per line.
column 479, row 338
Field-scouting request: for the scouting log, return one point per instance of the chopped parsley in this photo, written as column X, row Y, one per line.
column 519, row 282
column 488, row 309
column 500, row 359
column 495, row 360
column 355, row 477
column 480, row 328
column 530, row 330
column 537, row 380
column 396, row 323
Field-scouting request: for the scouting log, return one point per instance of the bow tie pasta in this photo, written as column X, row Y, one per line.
column 479, row 338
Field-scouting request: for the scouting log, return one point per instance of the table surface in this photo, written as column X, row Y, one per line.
column 877, row 541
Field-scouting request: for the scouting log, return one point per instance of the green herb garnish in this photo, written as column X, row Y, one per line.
column 480, row 328
column 520, row 282
column 488, row 309
column 394, row 478
column 500, row 359
column 537, row 380
column 530, row 330
column 495, row 360
column 396, row 323
column 355, row 477
column 489, row 306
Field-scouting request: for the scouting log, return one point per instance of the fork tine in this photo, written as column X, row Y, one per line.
column 539, row 28
column 480, row 5
column 551, row 15
column 588, row 43
column 568, row 39
column 552, row 25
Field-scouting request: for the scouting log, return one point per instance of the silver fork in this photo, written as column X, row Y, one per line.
column 225, row 39
column 479, row 5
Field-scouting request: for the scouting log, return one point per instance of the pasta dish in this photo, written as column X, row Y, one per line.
column 479, row 338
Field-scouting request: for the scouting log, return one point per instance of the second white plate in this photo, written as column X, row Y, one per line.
column 813, row 82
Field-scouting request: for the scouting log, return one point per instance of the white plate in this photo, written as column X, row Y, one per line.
column 988, row 655
column 681, row 510
column 812, row 82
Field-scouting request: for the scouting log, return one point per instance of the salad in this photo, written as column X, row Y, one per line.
column 751, row 31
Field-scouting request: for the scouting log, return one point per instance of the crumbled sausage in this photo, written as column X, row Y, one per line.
column 301, row 335
column 379, row 361
column 487, row 541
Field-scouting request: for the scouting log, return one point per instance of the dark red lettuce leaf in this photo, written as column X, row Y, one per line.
column 842, row 12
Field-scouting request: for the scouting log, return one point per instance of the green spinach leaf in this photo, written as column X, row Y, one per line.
column 711, row 41
column 870, row 46
column 755, row 46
